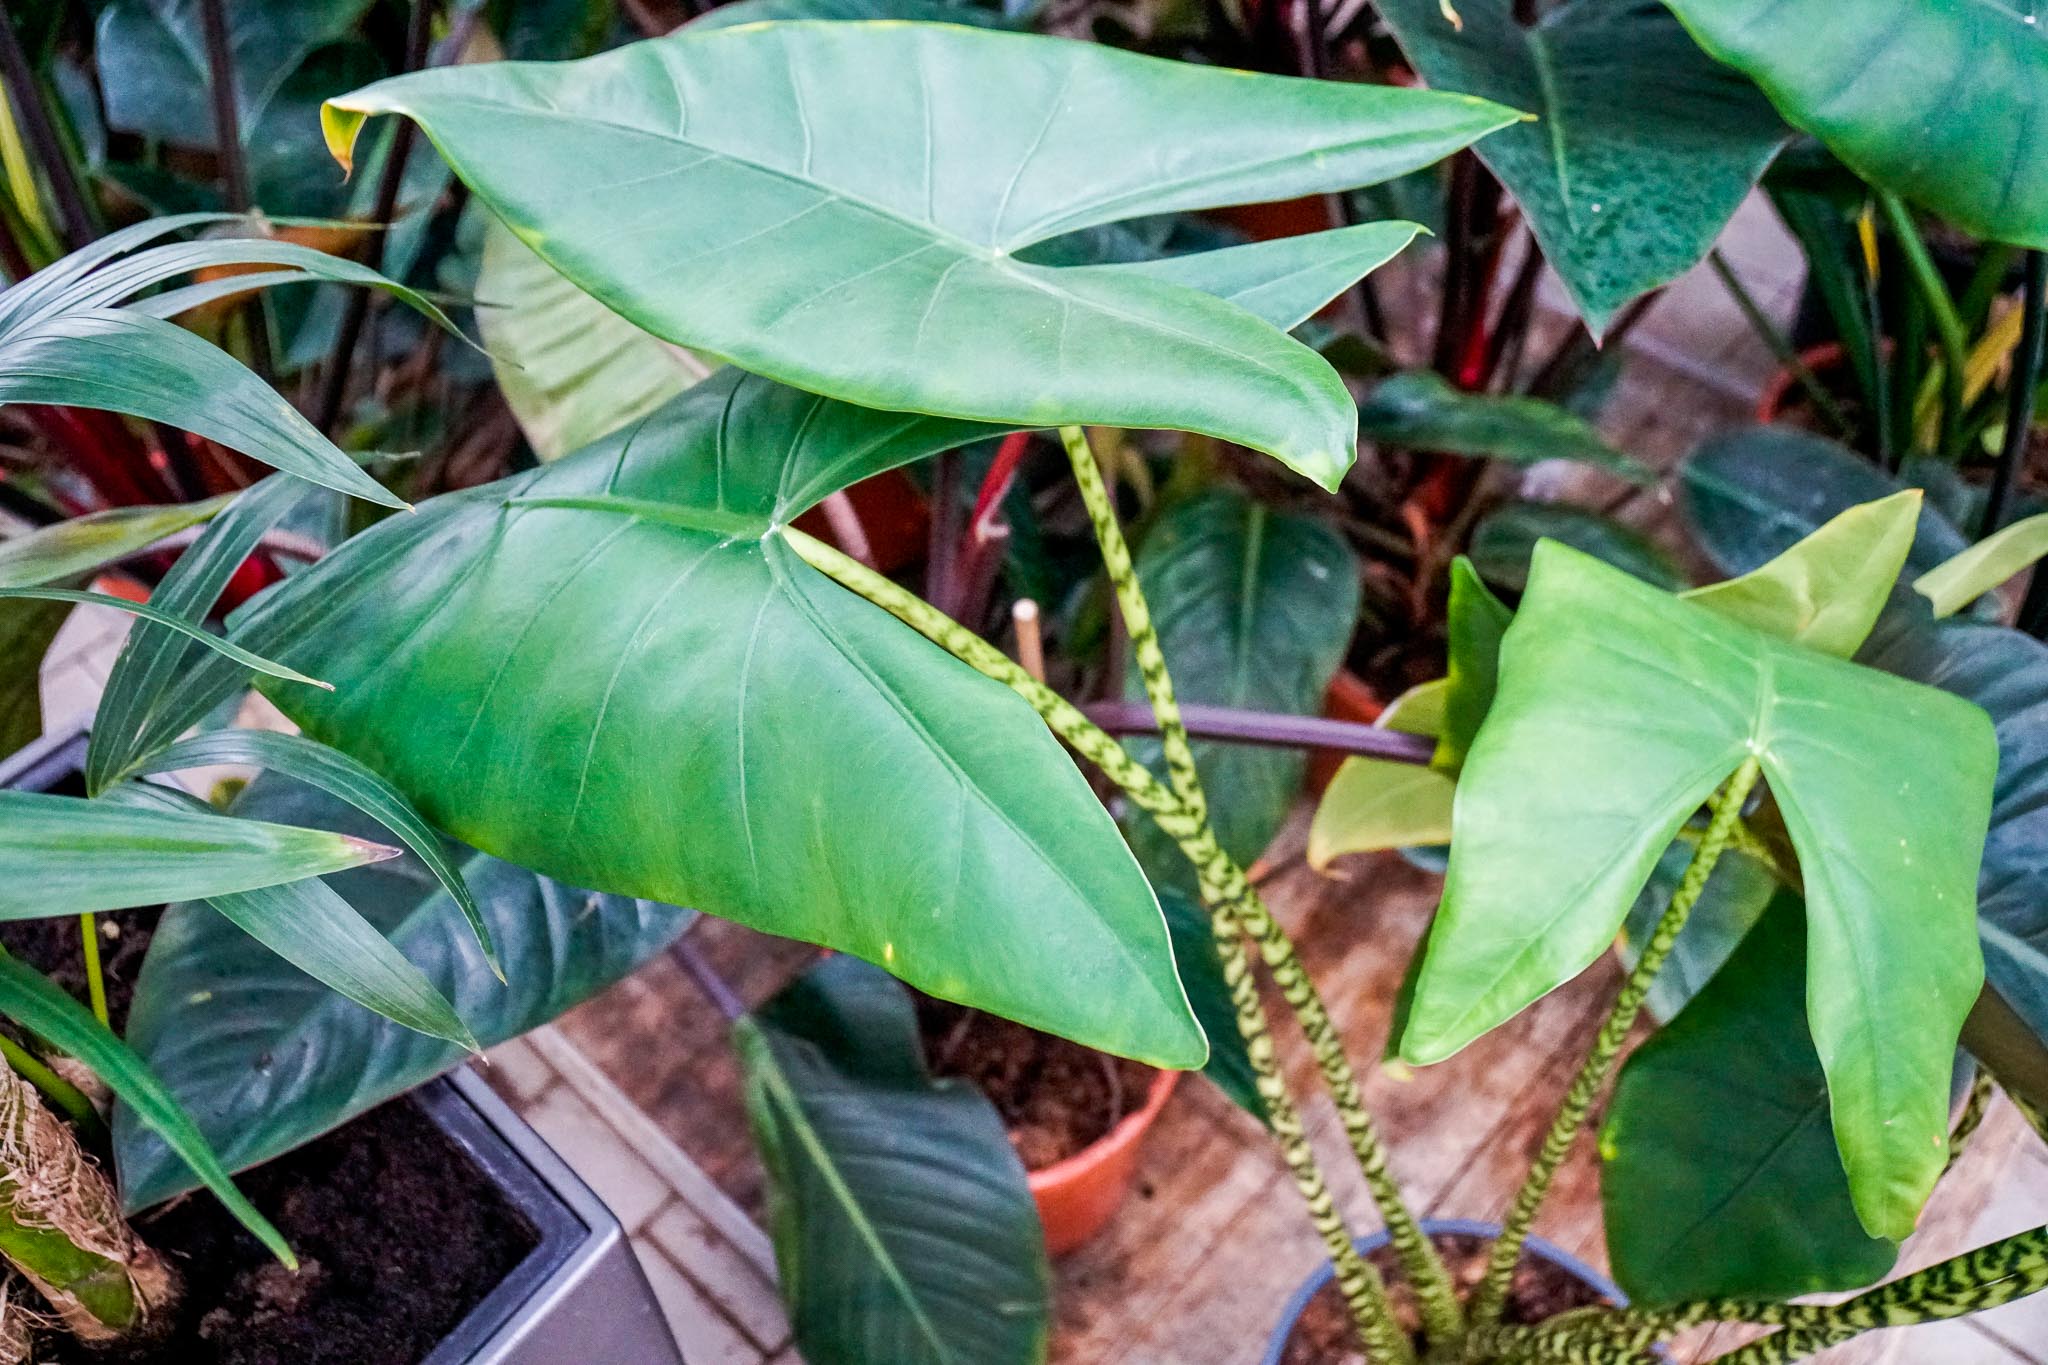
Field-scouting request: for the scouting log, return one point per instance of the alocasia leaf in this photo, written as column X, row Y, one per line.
column 840, row 206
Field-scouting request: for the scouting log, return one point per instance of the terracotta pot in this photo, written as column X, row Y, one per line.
column 1352, row 698
column 1077, row 1196
column 1783, row 384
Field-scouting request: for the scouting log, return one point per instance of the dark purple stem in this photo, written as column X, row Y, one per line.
column 1237, row 726
column 706, row 977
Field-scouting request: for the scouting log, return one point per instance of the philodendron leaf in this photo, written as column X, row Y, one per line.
column 266, row 1058
column 1620, row 709
column 1751, row 493
column 1642, row 148
column 1934, row 101
column 1955, row 583
column 64, row 855
column 1424, row 411
column 1827, row 591
column 1719, row 1176
column 1254, row 609
column 1475, row 622
column 708, row 721
column 1374, row 804
column 903, row 1225
column 571, row 369
column 840, row 205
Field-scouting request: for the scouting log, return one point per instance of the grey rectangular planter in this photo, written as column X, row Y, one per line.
column 579, row 1297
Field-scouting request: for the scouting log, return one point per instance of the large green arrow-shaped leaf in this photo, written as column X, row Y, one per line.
column 1620, row 709
column 1254, row 609
column 903, row 1225
column 265, row 1058
column 840, row 206
column 1643, row 145
column 1719, row 1176
column 614, row 670
column 1936, row 99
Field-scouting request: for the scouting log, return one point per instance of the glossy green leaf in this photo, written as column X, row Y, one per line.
column 38, row 1006
column 571, row 369
column 225, row 648
column 1254, row 608
column 903, row 1226
column 1504, row 540
column 1620, row 709
column 339, row 775
column 1642, row 148
column 732, row 730
column 1719, row 1175
column 64, row 855
column 1932, row 100
column 1474, row 622
column 1421, row 410
column 1751, row 493
column 1374, row 804
column 267, row 1058
column 72, row 549
column 1827, row 591
column 840, row 205
column 1285, row 281
column 1955, row 583
column 309, row 926
column 2006, row 673
column 1201, row 973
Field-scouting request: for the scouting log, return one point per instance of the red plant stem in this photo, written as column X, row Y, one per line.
column 102, row 450
column 995, row 485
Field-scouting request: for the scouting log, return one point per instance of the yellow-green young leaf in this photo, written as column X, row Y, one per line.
column 1826, row 591
column 1955, row 583
column 1620, row 709
column 840, row 206
column 72, row 549
column 1373, row 804
column 706, row 720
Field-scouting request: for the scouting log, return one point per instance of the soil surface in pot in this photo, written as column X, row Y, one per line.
column 1055, row 1097
column 1323, row 1335
column 397, row 1233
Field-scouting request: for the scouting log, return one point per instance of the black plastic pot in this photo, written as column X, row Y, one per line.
column 579, row 1295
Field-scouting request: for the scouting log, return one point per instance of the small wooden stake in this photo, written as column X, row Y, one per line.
column 1030, row 644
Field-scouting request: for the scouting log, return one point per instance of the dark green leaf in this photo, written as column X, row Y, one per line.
column 835, row 205
column 226, row 648
column 1422, row 411
column 267, row 1058
column 1620, row 709
column 1642, row 148
column 26, row 630
column 1719, row 1175
column 31, row 1001
column 732, row 730
column 64, row 855
column 1934, row 101
column 1254, row 609
column 1504, row 540
column 903, row 1226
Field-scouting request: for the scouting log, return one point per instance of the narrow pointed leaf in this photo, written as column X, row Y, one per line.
column 733, row 730
column 225, row 648
column 1934, row 101
column 72, row 549
column 336, row 773
column 1422, row 411
column 1955, row 583
column 1642, row 148
column 31, row 1001
column 267, row 1058
column 1620, row 709
column 903, row 1226
column 840, row 205
column 63, row 855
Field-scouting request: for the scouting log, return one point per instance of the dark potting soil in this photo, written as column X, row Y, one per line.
column 1055, row 1097
column 398, row 1234
column 1324, row 1336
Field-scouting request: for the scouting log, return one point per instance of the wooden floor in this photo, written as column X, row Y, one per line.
column 1197, row 1265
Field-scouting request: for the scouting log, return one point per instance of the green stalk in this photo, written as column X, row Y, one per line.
column 65, row 1097
column 1726, row 809
column 1232, row 898
column 1360, row 1284
column 1948, row 327
column 1971, row 1119
column 1780, row 345
column 95, row 979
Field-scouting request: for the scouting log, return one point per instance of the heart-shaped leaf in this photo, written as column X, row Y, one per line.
column 1719, row 1176
column 1620, row 709
column 265, row 1058
column 1933, row 100
column 1642, row 148
column 710, row 722
column 840, row 206
column 903, row 1225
